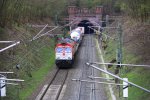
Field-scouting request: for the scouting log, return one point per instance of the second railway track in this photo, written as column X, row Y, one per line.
column 53, row 90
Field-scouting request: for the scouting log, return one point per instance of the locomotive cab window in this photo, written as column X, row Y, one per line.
column 68, row 49
column 59, row 49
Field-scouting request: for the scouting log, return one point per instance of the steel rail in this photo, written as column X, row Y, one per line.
column 62, row 85
column 100, row 69
column 42, row 96
column 80, row 84
column 84, row 42
column 93, row 97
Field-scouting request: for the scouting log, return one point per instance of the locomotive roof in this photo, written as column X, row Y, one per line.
column 66, row 40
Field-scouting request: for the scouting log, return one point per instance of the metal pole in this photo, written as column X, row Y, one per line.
column 92, row 77
column 45, row 33
column 70, row 28
column 39, row 32
column 56, row 19
column 0, row 91
column 39, row 26
column 9, row 83
column 6, row 41
column 107, row 83
column 17, row 80
column 6, row 72
column 133, row 65
column 118, row 77
column 119, row 53
column 1, row 50
column 107, row 20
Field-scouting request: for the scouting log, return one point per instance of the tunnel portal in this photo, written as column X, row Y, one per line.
column 86, row 24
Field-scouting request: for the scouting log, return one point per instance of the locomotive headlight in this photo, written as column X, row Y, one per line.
column 57, row 56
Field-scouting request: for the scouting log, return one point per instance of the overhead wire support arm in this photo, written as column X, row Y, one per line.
column 39, row 32
column 100, row 69
column 10, row 46
column 7, row 41
column 68, row 23
column 39, row 26
column 17, row 80
column 34, row 38
column 95, row 82
column 101, row 33
column 92, row 77
column 133, row 65
column 45, row 33
column 106, row 27
column 6, row 72
column 9, row 83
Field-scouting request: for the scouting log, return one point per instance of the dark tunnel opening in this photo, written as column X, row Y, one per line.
column 85, row 24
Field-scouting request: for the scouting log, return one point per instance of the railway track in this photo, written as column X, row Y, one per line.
column 87, row 87
column 56, row 90
column 53, row 90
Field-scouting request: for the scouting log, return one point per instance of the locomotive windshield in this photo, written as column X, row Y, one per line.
column 68, row 49
column 59, row 49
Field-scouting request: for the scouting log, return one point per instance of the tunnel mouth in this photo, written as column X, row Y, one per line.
column 86, row 24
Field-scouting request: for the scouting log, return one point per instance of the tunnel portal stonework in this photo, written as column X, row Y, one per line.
column 77, row 15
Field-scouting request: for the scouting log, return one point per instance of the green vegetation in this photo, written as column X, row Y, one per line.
column 36, row 58
column 37, row 76
column 136, row 9
column 24, row 11
column 137, row 75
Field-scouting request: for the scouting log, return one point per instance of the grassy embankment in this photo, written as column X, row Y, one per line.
column 35, row 58
column 137, row 75
column 38, row 75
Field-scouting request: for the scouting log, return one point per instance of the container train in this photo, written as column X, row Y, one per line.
column 66, row 48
